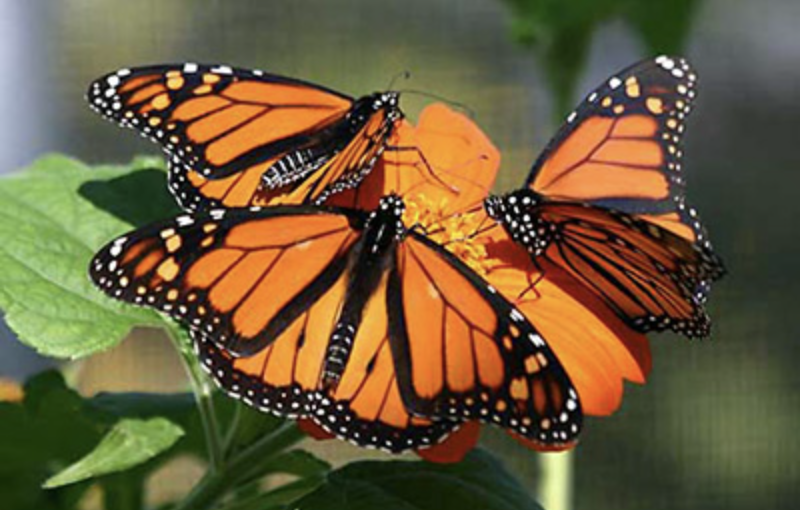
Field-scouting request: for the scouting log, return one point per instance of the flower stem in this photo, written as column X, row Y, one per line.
column 555, row 487
column 232, row 430
column 242, row 466
column 203, row 393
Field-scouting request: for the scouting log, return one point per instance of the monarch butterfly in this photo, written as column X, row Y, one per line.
column 597, row 349
column 344, row 316
column 605, row 201
column 236, row 137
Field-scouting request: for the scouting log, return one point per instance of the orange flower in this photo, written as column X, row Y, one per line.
column 451, row 450
column 443, row 169
column 10, row 391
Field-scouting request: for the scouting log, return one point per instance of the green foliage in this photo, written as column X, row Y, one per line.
column 129, row 443
column 53, row 217
column 50, row 232
column 479, row 481
column 53, row 427
column 561, row 32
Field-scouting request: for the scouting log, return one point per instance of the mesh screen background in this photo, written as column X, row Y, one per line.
column 715, row 426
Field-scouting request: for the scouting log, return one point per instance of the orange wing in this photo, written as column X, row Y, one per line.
column 651, row 277
column 234, row 136
column 347, row 170
column 622, row 148
column 219, row 272
column 462, row 351
column 646, row 273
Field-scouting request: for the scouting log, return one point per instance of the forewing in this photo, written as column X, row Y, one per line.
column 622, row 147
column 241, row 276
column 218, row 121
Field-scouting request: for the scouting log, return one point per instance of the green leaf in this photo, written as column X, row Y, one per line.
column 561, row 32
column 49, row 429
column 299, row 463
column 51, row 226
column 280, row 497
column 250, row 425
column 53, row 427
column 479, row 481
column 33, row 431
column 648, row 19
column 130, row 443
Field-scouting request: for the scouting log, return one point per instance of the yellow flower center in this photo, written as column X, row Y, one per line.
column 455, row 232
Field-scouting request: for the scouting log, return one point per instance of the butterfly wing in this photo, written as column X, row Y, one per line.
column 462, row 351
column 341, row 172
column 647, row 274
column 349, row 167
column 284, row 378
column 253, row 131
column 240, row 276
column 622, row 148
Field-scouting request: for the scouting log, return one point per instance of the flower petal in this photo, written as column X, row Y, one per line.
column 312, row 429
column 446, row 159
column 455, row 447
column 539, row 447
column 596, row 348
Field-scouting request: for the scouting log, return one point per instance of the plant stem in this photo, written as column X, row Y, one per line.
column 555, row 487
column 124, row 491
column 203, row 393
column 233, row 429
column 282, row 495
column 243, row 465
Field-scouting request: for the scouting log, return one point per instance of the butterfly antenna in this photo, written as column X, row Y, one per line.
column 404, row 75
column 455, row 104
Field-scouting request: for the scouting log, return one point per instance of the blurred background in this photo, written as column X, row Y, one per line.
column 715, row 426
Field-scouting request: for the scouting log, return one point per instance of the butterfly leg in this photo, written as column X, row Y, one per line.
column 426, row 164
column 532, row 282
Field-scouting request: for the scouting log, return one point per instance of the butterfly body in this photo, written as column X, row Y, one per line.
column 369, row 260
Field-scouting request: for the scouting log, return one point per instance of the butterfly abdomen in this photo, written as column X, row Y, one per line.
column 293, row 167
column 382, row 231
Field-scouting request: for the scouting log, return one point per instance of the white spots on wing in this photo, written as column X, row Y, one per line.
column 222, row 70
column 665, row 62
column 184, row 221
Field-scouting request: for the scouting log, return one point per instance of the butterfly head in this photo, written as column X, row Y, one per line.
column 390, row 101
column 517, row 213
column 387, row 219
